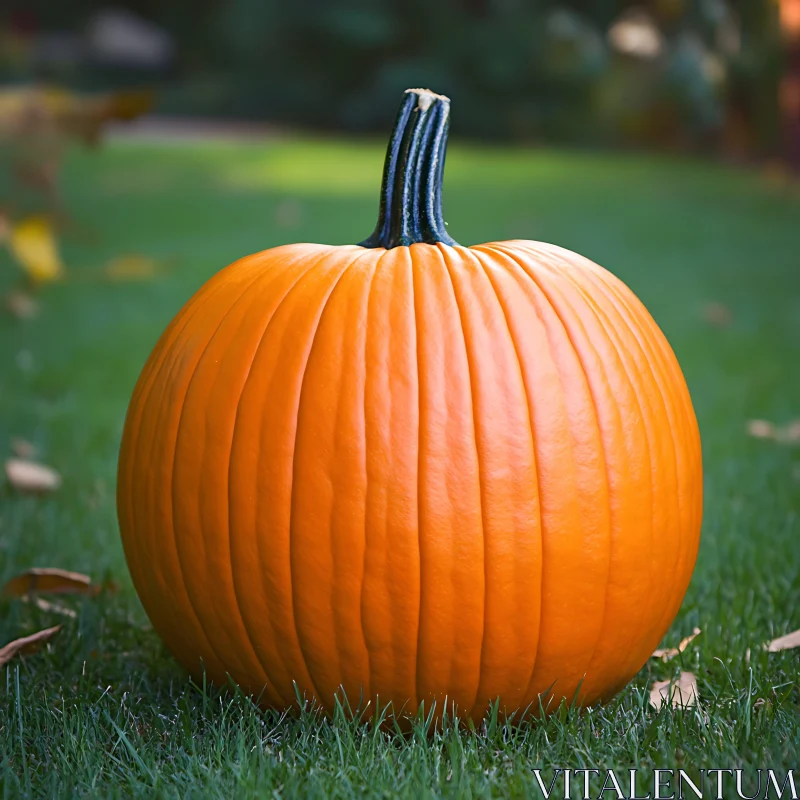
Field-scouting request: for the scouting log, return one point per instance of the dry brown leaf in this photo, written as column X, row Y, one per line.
column 667, row 653
column 22, row 448
column 788, row 642
column 21, row 305
column 761, row 429
column 49, row 580
column 789, row 434
column 28, row 476
column 718, row 315
column 679, row 693
column 27, row 645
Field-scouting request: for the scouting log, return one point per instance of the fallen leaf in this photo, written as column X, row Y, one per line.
column 33, row 243
column 28, row 476
column 680, row 693
column 21, row 305
column 22, row 448
column 791, row 433
column 667, row 653
column 49, row 580
column 761, row 429
column 717, row 314
column 51, row 608
column 788, row 642
column 27, row 645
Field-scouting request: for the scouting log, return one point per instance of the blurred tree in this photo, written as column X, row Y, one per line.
column 36, row 125
column 578, row 70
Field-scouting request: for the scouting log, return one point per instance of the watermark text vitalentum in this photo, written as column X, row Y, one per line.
column 667, row 784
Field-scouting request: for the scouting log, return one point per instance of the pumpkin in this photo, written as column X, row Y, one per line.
column 412, row 471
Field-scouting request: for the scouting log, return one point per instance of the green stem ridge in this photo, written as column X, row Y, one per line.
column 410, row 209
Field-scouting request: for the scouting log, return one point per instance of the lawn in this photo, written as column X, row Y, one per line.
column 104, row 710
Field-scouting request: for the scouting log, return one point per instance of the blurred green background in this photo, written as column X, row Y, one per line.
column 689, row 74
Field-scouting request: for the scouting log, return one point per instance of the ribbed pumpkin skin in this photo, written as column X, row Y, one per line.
column 417, row 473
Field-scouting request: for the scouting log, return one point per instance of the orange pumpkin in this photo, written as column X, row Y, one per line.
column 413, row 470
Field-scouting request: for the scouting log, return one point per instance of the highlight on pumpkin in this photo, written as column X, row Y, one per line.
column 413, row 472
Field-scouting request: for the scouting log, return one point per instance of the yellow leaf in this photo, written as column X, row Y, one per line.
column 33, row 244
column 28, row 476
column 27, row 645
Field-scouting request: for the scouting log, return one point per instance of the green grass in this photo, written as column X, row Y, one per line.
column 106, row 711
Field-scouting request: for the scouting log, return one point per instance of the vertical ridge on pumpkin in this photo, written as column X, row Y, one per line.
column 662, row 420
column 505, row 455
column 682, row 413
column 390, row 592
column 588, row 474
column 261, row 499
column 419, row 699
column 367, row 485
column 271, row 686
column 581, row 306
column 658, row 342
column 471, row 379
column 318, row 663
column 451, row 593
column 579, row 340
column 161, row 439
column 200, row 566
column 136, row 413
column 514, row 334
column 322, row 697
column 181, row 570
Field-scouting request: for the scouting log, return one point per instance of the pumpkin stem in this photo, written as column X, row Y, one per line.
column 411, row 192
